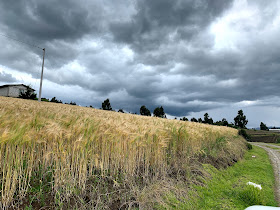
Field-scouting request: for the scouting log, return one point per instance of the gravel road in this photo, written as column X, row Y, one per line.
column 274, row 155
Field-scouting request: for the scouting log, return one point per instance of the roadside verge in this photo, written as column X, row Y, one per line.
column 228, row 189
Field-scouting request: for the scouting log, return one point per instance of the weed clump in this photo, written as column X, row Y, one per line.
column 251, row 195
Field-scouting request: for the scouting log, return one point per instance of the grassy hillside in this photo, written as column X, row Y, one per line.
column 67, row 156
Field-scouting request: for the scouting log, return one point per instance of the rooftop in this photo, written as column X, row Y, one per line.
column 15, row 85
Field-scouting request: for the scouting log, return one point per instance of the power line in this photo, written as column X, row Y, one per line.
column 33, row 45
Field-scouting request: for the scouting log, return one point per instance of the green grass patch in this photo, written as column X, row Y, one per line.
column 228, row 189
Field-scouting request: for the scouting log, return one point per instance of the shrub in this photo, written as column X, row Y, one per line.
column 249, row 146
column 243, row 133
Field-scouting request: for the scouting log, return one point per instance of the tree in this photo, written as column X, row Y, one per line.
column 194, row 120
column 224, row 122
column 263, row 127
column 184, row 119
column 200, row 120
column 28, row 94
column 159, row 112
column 106, row 105
column 144, row 111
column 121, row 111
column 240, row 120
column 207, row 120
column 54, row 100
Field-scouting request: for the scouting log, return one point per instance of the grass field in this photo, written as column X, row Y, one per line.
column 69, row 156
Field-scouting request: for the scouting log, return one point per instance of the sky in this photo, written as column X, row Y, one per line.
column 189, row 56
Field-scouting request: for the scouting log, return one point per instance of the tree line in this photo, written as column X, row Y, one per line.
column 240, row 120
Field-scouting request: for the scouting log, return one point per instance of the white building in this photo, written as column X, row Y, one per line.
column 13, row 90
column 275, row 130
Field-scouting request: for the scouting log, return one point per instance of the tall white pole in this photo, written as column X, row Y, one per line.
column 40, row 91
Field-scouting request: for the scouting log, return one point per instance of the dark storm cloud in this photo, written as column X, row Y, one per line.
column 156, row 20
column 145, row 52
column 45, row 20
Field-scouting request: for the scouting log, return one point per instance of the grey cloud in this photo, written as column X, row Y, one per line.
column 6, row 78
column 155, row 20
column 45, row 20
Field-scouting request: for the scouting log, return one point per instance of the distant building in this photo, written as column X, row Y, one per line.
column 275, row 130
column 13, row 90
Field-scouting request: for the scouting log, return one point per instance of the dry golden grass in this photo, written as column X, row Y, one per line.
column 74, row 144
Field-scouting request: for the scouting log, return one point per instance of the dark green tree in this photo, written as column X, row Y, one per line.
column 144, row 111
column 194, row 120
column 121, row 111
column 208, row 120
column 159, row 112
column 106, row 105
column 240, row 120
column 184, row 119
column 200, row 120
column 224, row 122
column 263, row 127
column 54, row 100
column 28, row 94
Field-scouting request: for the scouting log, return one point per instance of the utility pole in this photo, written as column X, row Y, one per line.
column 40, row 91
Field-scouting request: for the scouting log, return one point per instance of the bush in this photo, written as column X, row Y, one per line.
column 249, row 146
column 243, row 133
column 28, row 94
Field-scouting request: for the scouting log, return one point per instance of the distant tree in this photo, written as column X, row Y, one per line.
column 207, row 120
column 200, row 120
column 72, row 103
column 121, row 111
column 106, row 105
column 194, row 120
column 144, row 111
column 28, row 94
column 263, row 127
column 224, row 122
column 184, row 119
column 159, row 112
column 54, row 100
column 240, row 120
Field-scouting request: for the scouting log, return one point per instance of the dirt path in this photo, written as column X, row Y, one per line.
column 274, row 155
